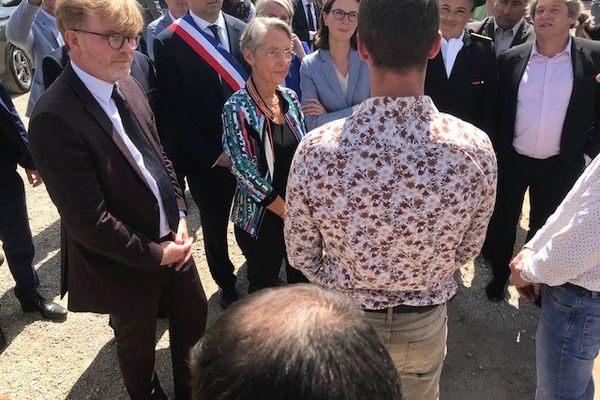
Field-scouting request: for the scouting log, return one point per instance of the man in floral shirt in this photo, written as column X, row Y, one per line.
column 388, row 203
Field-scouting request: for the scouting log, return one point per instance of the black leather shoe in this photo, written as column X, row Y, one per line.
column 47, row 308
column 495, row 290
column 226, row 297
column 2, row 341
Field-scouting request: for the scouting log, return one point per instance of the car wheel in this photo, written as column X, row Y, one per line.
column 19, row 70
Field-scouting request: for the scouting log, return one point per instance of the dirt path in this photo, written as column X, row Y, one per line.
column 491, row 353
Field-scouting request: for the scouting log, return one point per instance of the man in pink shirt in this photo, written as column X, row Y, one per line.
column 549, row 108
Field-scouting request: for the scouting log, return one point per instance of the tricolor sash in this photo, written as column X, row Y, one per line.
column 211, row 51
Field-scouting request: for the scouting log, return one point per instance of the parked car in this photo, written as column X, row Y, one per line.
column 16, row 68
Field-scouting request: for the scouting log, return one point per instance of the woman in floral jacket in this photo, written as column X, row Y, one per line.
column 263, row 124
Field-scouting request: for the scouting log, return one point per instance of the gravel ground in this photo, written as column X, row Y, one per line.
column 491, row 353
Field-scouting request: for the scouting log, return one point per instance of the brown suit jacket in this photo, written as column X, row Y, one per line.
column 110, row 251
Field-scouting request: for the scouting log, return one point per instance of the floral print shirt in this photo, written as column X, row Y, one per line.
column 388, row 203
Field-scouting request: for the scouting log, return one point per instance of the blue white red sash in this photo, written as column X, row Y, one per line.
column 211, row 51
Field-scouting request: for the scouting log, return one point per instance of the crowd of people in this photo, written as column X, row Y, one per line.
column 372, row 147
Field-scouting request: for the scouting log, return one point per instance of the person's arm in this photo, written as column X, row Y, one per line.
column 567, row 245
column 243, row 164
column 150, row 36
column 73, row 186
column 18, row 27
column 303, row 239
column 474, row 237
column 309, row 90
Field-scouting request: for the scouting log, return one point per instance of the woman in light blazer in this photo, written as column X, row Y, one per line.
column 334, row 79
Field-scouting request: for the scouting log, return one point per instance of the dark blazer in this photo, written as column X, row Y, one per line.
column 580, row 130
column 110, row 254
column 300, row 21
column 142, row 70
column 470, row 92
column 485, row 27
column 13, row 137
column 192, row 96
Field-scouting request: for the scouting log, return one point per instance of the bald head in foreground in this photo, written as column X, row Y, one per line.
column 297, row 342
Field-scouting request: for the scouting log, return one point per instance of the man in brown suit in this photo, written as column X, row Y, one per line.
column 125, row 248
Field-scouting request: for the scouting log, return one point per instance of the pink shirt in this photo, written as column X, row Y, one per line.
column 542, row 101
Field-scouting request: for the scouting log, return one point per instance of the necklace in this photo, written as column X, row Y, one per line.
column 272, row 103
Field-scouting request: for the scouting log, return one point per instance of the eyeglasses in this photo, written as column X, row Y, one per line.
column 275, row 54
column 340, row 14
column 115, row 40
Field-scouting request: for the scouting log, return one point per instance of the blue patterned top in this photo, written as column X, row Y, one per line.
column 245, row 141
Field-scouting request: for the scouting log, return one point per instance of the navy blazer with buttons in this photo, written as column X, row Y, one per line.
column 318, row 79
column 13, row 136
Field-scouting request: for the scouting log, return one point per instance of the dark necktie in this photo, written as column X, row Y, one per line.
column 309, row 17
column 151, row 159
column 215, row 31
column 227, row 91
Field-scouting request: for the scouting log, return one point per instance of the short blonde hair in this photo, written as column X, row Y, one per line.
column 257, row 29
column 286, row 4
column 71, row 14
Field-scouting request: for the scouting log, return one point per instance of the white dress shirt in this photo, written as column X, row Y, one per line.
column 503, row 38
column 220, row 22
column 54, row 27
column 542, row 101
column 567, row 248
column 102, row 92
column 450, row 49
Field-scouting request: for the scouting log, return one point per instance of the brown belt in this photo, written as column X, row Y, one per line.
column 404, row 309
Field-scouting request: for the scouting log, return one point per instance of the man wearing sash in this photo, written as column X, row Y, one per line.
column 199, row 65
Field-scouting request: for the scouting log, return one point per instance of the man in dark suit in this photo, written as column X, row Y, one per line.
column 192, row 96
column 306, row 19
column 462, row 79
column 125, row 249
column 507, row 27
column 548, row 130
column 15, row 233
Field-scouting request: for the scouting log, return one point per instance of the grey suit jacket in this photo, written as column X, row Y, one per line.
column 318, row 79
column 32, row 31
column 154, row 28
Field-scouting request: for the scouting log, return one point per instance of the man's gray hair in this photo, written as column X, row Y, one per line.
column 257, row 29
column 573, row 8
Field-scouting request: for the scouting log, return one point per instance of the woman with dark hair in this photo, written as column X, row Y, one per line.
column 263, row 124
column 333, row 79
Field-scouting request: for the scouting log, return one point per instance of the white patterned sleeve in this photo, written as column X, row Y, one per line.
column 567, row 246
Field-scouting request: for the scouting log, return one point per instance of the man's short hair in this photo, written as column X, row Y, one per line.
column 398, row 35
column 299, row 342
column 71, row 14
column 573, row 8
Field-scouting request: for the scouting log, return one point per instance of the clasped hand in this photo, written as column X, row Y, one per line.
column 527, row 290
column 178, row 251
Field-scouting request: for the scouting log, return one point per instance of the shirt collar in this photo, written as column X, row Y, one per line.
column 512, row 30
column 413, row 106
column 203, row 24
column 100, row 89
column 458, row 39
column 305, row 3
column 172, row 16
column 566, row 50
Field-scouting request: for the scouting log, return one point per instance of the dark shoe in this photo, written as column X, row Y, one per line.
column 47, row 308
column 495, row 290
column 2, row 341
column 226, row 297
column 157, row 392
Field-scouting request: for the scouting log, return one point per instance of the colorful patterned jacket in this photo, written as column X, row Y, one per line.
column 246, row 142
